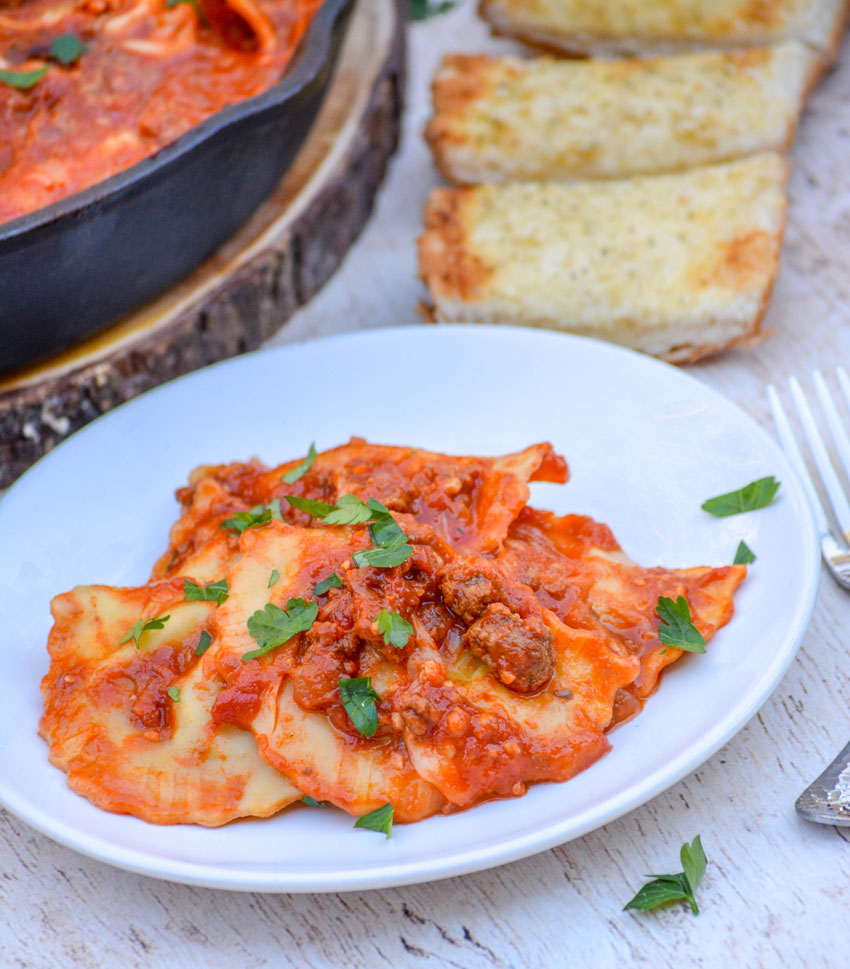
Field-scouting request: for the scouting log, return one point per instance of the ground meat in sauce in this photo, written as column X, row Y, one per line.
column 327, row 653
column 519, row 651
column 468, row 589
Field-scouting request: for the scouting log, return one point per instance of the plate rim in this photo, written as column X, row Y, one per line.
column 391, row 874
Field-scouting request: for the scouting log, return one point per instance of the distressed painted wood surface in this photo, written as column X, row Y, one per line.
column 777, row 891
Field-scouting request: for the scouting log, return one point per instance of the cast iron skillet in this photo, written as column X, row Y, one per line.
column 82, row 263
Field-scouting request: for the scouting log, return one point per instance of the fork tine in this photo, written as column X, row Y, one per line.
column 833, row 421
column 843, row 383
column 837, row 499
column 792, row 452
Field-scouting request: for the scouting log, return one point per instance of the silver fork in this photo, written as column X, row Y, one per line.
column 826, row 799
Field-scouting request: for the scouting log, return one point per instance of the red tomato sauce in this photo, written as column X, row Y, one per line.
column 149, row 72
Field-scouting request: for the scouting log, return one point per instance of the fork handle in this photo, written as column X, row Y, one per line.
column 827, row 799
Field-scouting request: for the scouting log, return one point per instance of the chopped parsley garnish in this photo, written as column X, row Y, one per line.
column 744, row 554
column 203, row 643
column 273, row 626
column 349, row 510
column 195, row 5
column 174, row 693
column 757, row 494
column 395, row 630
column 258, row 515
column 23, row 80
column 381, row 819
column 214, row 592
column 333, row 581
column 384, row 529
column 676, row 628
column 66, row 49
column 389, row 543
column 295, row 473
column 312, row 802
column 674, row 888
column 358, row 698
column 383, row 558
column 142, row 626
column 316, row 509
column 273, row 578
column 423, row 9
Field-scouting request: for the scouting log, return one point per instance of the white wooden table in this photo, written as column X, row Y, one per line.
column 777, row 891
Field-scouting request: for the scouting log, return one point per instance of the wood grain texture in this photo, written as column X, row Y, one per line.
column 247, row 290
column 776, row 892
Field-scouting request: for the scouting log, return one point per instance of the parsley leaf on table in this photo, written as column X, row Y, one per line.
column 757, row 494
column 676, row 628
column 694, row 862
column 142, row 626
column 381, row 819
column 312, row 802
column 273, row 626
column 294, row 474
column 395, row 630
column 674, row 888
column 358, row 698
column 214, row 592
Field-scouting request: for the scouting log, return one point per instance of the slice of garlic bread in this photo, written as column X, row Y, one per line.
column 660, row 26
column 502, row 119
column 679, row 266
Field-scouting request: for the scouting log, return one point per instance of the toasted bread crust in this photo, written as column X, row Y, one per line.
column 499, row 119
column 622, row 28
column 446, row 264
column 683, row 268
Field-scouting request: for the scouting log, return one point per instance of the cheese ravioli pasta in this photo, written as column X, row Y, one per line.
column 370, row 626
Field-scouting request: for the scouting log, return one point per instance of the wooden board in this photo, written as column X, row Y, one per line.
column 248, row 289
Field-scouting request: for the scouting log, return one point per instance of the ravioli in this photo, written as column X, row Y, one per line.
column 312, row 742
column 469, row 501
column 455, row 647
column 578, row 569
column 124, row 743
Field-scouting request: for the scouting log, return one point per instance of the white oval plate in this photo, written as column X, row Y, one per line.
column 646, row 444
